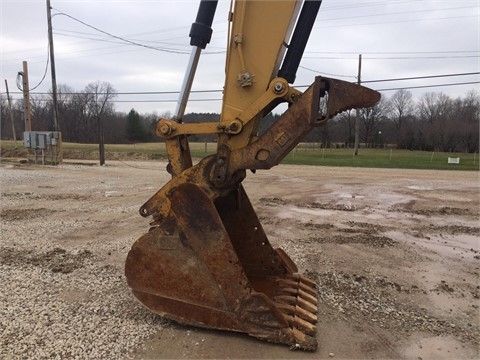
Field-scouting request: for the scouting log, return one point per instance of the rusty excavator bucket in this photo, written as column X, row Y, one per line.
column 206, row 260
column 215, row 268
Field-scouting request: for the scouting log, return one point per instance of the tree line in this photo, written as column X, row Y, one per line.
column 434, row 122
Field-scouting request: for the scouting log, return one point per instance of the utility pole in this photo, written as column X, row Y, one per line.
column 357, row 112
column 101, row 141
column 11, row 114
column 26, row 98
column 56, row 124
column 52, row 68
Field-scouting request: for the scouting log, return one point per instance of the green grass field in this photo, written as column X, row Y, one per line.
column 382, row 158
column 305, row 154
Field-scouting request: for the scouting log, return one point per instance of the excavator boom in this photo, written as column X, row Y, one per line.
column 206, row 260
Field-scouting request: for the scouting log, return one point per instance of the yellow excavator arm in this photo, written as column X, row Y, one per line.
column 206, row 260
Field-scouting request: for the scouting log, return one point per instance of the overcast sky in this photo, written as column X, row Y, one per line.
column 397, row 38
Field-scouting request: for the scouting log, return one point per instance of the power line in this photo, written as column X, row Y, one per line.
column 422, row 77
column 392, row 22
column 132, row 92
column 298, row 86
column 393, row 57
column 221, row 51
column 98, row 37
column 140, row 101
column 400, row 79
column 119, row 37
column 164, row 101
column 124, row 40
column 395, row 13
column 324, row 73
column 19, row 74
column 363, row 4
column 302, row 86
column 430, row 86
column 44, row 73
column 102, row 39
column 394, row 52
column 306, row 52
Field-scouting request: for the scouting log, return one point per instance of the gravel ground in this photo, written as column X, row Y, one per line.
column 62, row 298
column 67, row 307
column 395, row 255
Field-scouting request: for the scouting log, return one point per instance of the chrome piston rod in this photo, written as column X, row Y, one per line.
column 187, row 84
column 200, row 36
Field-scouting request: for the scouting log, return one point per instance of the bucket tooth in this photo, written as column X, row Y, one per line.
column 306, row 315
column 286, row 299
column 303, row 341
column 298, row 301
column 302, row 325
column 306, row 305
column 303, row 279
column 297, row 311
column 291, row 283
column 308, row 297
column 286, row 309
column 300, row 293
column 307, row 281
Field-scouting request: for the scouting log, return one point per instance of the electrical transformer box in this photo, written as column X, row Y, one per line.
column 40, row 139
column 44, row 145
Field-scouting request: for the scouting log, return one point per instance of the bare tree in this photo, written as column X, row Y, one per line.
column 436, row 111
column 5, row 129
column 347, row 121
column 401, row 108
column 41, row 115
column 99, row 94
column 427, row 107
column 371, row 120
column 65, row 95
column 467, row 120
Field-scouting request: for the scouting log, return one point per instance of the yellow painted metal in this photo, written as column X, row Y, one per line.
column 258, row 35
column 168, row 128
column 259, row 32
column 278, row 91
column 179, row 157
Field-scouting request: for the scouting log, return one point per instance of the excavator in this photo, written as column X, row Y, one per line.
column 206, row 260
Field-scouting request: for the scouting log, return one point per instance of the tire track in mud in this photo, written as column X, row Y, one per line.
column 416, row 208
column 374, row 300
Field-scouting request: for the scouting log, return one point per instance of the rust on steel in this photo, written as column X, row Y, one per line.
column 207, row 261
